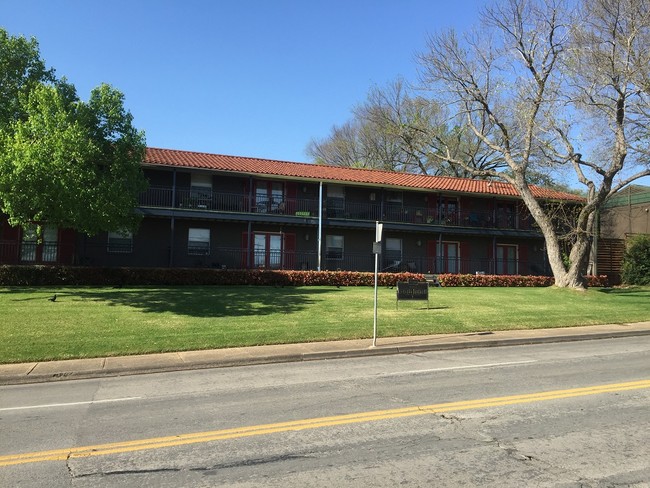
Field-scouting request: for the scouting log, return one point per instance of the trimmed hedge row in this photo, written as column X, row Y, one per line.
column 509, row 280
column 494, row 280
column 90, row 276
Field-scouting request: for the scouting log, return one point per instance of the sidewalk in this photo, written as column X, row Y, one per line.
column 38, row 372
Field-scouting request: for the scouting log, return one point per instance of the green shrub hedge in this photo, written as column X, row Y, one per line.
column 509, row 280
column 89, row 276
column 494, row 280
column 636, row 262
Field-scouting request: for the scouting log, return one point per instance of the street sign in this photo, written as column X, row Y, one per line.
column 376, row 249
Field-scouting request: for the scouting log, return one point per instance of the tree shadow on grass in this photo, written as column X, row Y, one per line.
column 204, row 301
column 632, row 292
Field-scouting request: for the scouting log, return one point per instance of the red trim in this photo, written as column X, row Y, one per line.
column 464, row 257
column 9, row 243
column 66, row 246
column 289, row 251
column 522, row 264
column 291, row 194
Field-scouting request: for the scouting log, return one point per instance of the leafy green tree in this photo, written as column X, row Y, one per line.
column 636, row 262
column 21, row 68
column 64, row 161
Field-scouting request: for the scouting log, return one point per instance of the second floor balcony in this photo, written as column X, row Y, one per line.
column 212, row 201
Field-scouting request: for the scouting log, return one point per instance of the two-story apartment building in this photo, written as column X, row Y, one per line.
column 210, row 210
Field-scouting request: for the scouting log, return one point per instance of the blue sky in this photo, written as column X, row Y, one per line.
column 241, row 77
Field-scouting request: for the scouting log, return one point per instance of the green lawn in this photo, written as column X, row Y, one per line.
column 93, row 322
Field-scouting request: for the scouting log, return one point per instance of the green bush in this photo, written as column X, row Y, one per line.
column 636, row 262
column 90, row 276
column 509, row 280
column 494, row 280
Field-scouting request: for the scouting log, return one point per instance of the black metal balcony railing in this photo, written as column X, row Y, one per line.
column 242, row 203
column 226, row 202
column 237, row 258
column 232, row 258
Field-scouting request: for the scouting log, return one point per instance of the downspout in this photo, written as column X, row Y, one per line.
column 594, row 244
column 629, row 210
column 320, row 223
column 172, row 226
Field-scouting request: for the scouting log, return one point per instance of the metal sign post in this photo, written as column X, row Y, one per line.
column 376, row 249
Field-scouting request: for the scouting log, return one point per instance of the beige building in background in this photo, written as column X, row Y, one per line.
column 623, row 216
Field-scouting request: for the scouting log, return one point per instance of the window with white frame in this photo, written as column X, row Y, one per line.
column 335, row 200
column 201, row 188
column 269, row 196
column 394, row 196
column 393, row 253
column 29, row 243
column 198, row 242
column 334, row 247
column 507, row 261
column 50, row 243
column 120, row 242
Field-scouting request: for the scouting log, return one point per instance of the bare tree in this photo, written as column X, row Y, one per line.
column 397, row 130
column 546, row 87
column 344, row 147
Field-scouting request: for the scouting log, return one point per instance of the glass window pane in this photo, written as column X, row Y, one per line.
column 275, row 249
column 393, row 244
column 28, row 245
column 393, row 252
column 198, row 241
column 203, row 180
column 334, row 247
column 394, row 196
column 260, row 250
column 120, row 242
column 335, row 191
column 50, row 243
column 506, row 259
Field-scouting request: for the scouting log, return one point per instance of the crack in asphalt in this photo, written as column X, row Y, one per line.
column 460, row 423
column 128, row 472
column 208, row 470
column 252, row 462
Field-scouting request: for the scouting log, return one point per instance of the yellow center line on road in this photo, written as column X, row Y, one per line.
column 314, row 423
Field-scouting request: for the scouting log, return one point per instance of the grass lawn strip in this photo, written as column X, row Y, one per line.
column 97, row 322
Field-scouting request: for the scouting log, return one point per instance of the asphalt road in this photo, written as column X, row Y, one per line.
column 570, row 414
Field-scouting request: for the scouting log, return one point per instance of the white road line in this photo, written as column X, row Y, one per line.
column 453, row 368
column 51, row 405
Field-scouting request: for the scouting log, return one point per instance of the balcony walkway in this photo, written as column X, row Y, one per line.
column 239, row 203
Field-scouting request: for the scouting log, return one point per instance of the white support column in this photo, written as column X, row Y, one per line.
column 320, row 224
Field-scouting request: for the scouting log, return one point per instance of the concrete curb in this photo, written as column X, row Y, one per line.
column 410, row 349
column 79, row 369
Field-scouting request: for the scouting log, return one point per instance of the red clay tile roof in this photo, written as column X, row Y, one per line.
column 267, row 167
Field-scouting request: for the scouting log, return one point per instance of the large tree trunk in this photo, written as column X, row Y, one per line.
column 574, row 276
column 564, row 278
